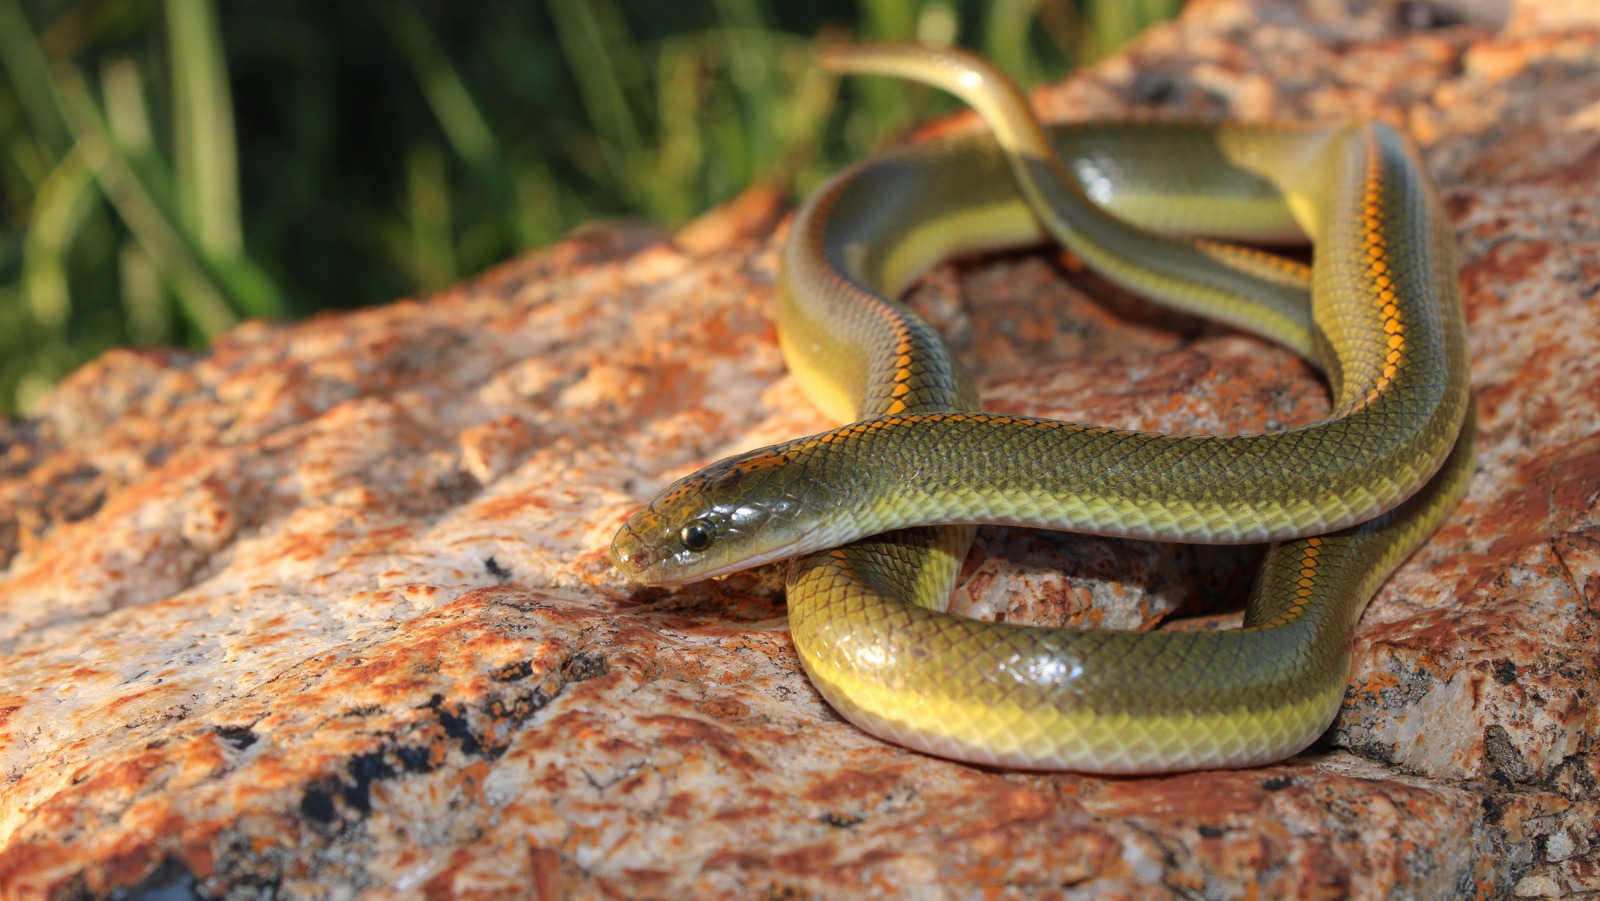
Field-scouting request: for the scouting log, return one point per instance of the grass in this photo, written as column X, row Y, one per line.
column 175, row 166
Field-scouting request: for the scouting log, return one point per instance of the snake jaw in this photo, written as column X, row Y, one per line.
column 654, row 546
column 661, row 567
column 706, row 525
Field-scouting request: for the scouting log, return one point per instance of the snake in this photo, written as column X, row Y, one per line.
column 877, row 515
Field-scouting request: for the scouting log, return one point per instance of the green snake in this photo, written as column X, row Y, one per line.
column 879, row 513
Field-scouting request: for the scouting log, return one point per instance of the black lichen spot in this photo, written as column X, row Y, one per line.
column 1213, row 831
column 500, row 573
column 1493, row 810
column 513, row 672
column 776, row 892
column 317, row 805
column 81, row 505
column 518, row 602
column 583, row 666
column 240, row 737
column 1381, row 752
column 1426, row 15
column 456, row 726
column 456, row 488
column 246, row 870
column 415, row 760
column 171, row 881
column 1154, row 87
column 1278, row 783
column 1505, row 672
column 365, row 769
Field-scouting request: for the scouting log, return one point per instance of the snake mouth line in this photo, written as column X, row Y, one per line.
column 722, row 572
column 638, row 565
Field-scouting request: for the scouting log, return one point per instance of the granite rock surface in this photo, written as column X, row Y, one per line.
column 326, row 611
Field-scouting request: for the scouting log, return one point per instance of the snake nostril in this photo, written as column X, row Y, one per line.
column 628, row 553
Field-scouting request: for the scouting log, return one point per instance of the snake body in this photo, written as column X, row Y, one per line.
column 1378, row 311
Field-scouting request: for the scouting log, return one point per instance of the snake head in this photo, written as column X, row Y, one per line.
column 737, row 513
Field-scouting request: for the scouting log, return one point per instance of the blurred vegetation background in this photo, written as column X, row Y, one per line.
column 171, row 167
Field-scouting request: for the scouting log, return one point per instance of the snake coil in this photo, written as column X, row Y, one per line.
column 880, row 512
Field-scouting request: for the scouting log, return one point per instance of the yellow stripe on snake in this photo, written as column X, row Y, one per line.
column 879, row 513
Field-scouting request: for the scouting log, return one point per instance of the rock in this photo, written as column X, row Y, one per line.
column 326, row 610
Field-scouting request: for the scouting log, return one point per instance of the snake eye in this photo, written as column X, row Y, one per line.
column 697, row 535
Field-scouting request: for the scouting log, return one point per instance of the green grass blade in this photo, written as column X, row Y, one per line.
column 452, row 104
column 353, row 190
column 431, row 243
column 595, row 65
column 207, row 165
column 1117, row 23
column 63, row 200
column 202, row 300
column 1005, row 39
column 24, row 61
column 144, row 297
